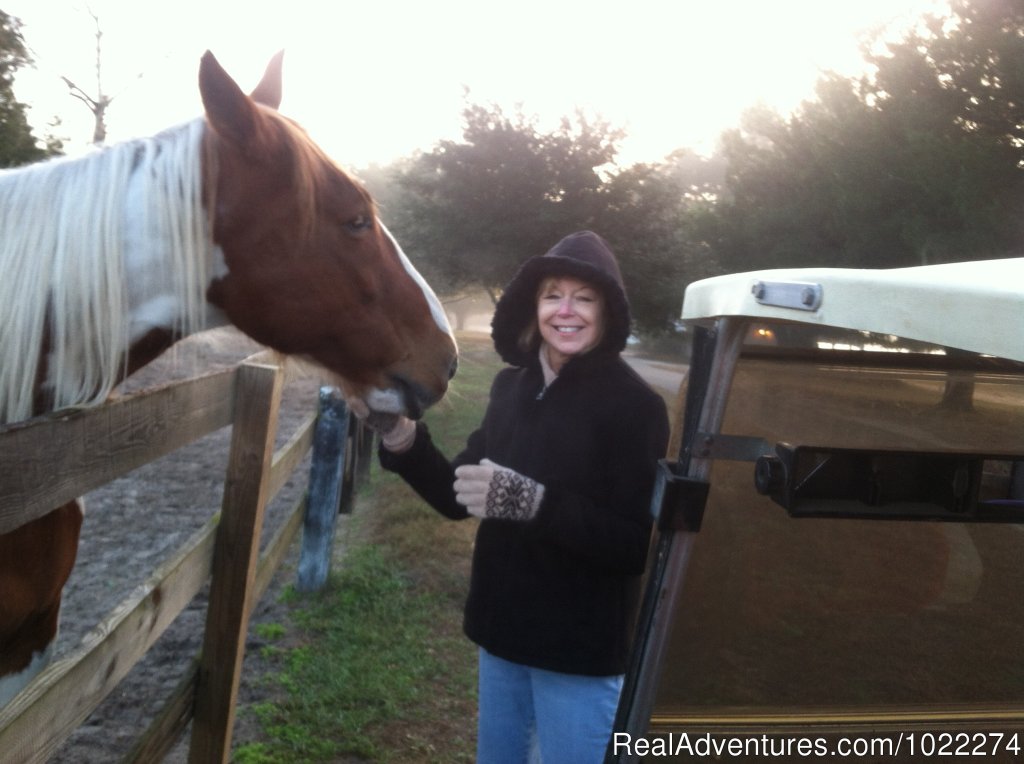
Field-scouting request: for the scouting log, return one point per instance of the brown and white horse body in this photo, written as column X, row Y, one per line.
column 234, row 218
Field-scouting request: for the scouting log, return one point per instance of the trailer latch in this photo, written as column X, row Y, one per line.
column 679, row 501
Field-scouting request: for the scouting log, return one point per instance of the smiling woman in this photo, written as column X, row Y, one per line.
column 560, row 472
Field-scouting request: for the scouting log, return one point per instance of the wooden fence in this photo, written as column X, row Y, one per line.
column 48, row 462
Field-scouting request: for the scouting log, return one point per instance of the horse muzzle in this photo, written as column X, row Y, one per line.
column 415, row 397
column 400, row 395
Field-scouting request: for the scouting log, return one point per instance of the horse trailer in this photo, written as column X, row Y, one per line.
column 837, row 563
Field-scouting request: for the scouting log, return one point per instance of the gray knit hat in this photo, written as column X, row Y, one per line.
column 583, row 255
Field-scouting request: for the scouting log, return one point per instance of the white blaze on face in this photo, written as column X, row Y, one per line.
column 391, row 400
column 436, row 309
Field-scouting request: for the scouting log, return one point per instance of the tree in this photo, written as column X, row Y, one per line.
column 478, row 207
column 815, row 189
column 919, row 163
column 969, row 68
column 955, row 88
column 98, row 105
column 18, row 145
column 651, row 217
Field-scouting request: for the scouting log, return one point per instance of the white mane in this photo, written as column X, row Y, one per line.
column 63, row 241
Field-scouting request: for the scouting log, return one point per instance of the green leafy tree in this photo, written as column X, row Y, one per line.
column 17, row 143
column 816, row 189
column 651, row 219
column 969, row 68
column 919, row 163
column 954, row 89
column 478, row 207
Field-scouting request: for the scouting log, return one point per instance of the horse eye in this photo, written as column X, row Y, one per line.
column 359, row 224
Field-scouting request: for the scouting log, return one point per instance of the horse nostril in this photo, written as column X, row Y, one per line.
column 453, row 369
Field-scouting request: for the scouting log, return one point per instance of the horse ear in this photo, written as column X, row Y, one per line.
column 230, row 111
column 268, row 92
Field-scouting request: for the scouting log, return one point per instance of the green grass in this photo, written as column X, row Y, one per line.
column 367, row 657
column 375, row 667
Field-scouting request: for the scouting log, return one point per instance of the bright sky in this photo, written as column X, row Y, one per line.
column 376, row 80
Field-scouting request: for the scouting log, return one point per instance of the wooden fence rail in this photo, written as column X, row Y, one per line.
column 50, row 461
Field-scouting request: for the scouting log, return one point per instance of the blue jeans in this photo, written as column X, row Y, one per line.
column 529, row 715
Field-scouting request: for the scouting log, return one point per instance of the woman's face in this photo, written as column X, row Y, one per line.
column 570, row 315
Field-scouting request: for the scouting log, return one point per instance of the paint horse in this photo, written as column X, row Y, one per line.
column 234, row 217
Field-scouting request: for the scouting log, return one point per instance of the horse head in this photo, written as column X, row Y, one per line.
column 310, row 269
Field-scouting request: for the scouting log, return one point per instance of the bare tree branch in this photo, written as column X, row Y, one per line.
column 80, row 94
column 98, row 105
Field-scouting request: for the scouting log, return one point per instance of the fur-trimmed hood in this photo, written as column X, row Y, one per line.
column 583, row 255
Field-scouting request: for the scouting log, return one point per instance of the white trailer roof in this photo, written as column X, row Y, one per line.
column 976, row 306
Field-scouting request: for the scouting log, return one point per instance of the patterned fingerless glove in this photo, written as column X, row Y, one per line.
column 488, row 490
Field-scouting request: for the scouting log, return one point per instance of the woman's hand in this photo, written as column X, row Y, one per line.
column 488, row 490
column 397, row 432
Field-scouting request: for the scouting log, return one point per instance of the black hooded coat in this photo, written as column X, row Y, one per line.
column 558, row 592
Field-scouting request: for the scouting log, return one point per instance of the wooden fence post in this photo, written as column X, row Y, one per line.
column 357, row 462
column 325, row 490
column 257, row 400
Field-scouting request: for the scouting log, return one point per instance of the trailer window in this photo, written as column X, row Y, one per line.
column 782, row 613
